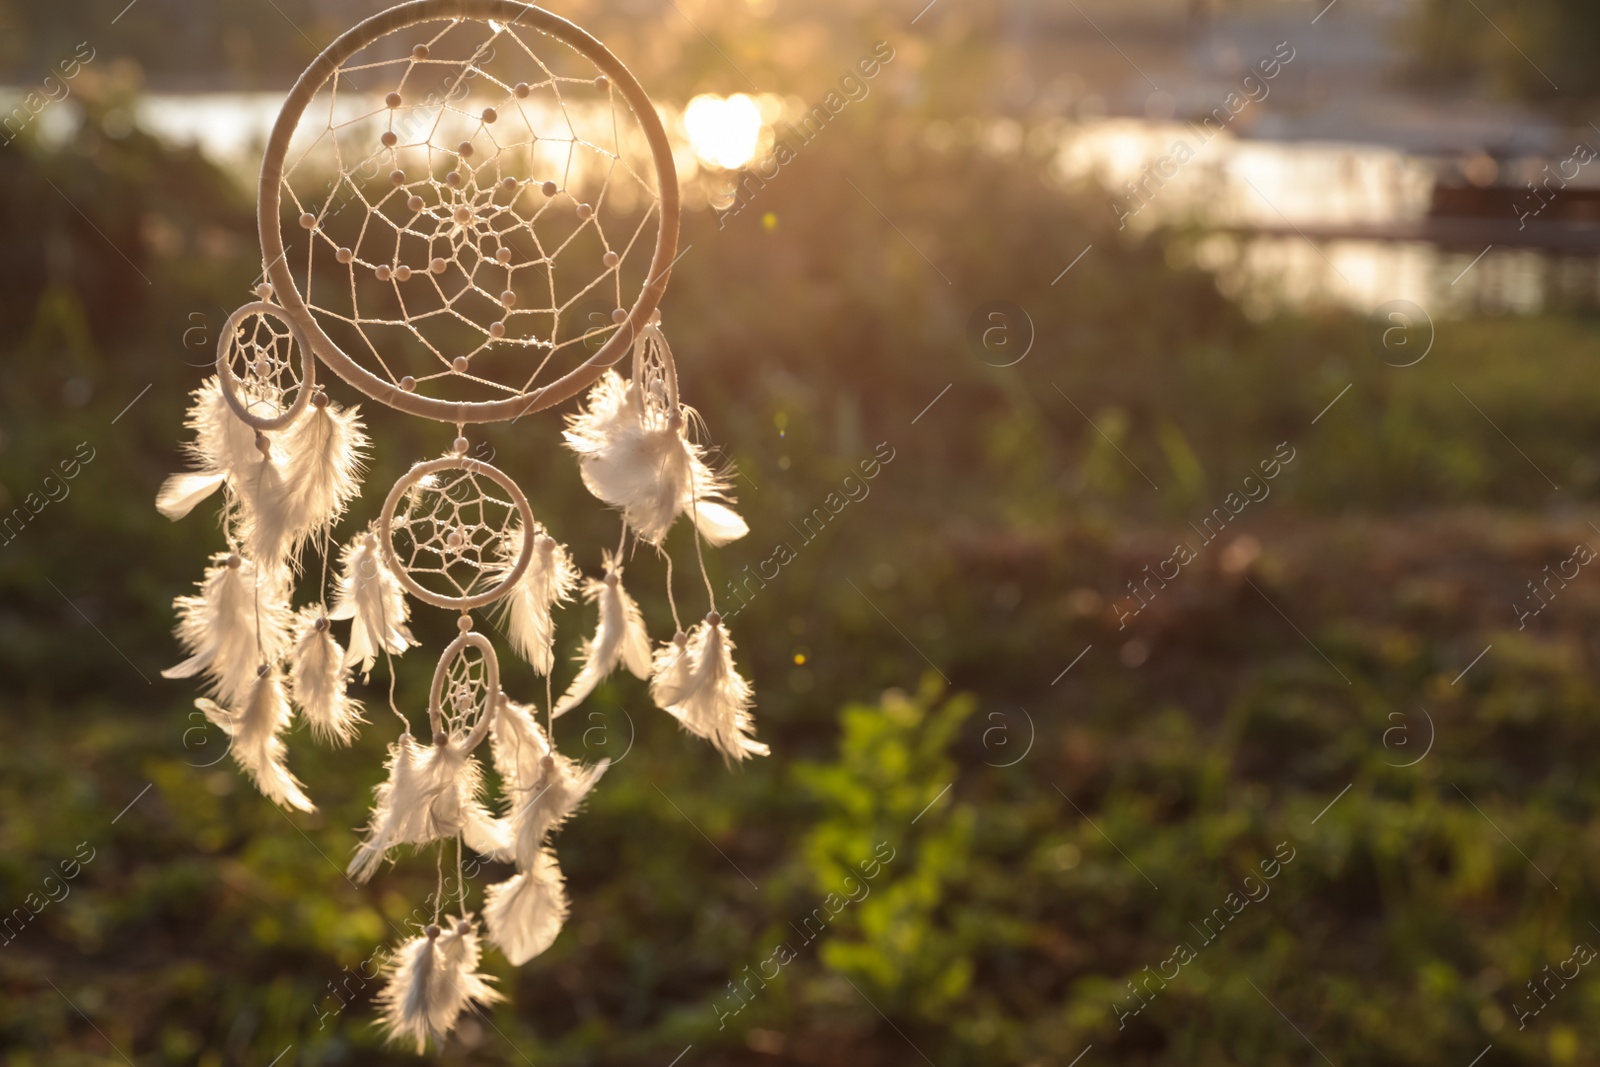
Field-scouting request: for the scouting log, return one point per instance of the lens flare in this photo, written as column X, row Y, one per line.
column 723, row 132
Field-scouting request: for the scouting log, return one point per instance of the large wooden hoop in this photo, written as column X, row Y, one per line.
column 269, row 205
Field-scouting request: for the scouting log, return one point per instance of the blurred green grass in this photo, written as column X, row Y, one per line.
column 211, row 928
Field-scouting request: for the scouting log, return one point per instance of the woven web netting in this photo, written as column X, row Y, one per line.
column 452, row 532
column 265, row 363
column 465, row 205
column 464, row 696
column 657, row 379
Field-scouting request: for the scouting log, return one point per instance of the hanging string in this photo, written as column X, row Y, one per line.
column 438, row 892
column 388, row 661
column 694, row 515
column 461, row 877
column 327, row 550
column 549, row 710
column 672, row 602
column 256, row 577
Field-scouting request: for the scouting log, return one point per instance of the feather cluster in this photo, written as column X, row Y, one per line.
column 371, row 597
column 431, row 793
column 432, row 979
column 638, row 452
column 696, row 682
column 549, row 580
column 318, row 676
column 527, row 911
column 619, row 638
column 223, row 445
column 239, row 621
column 545, row 787
column 255, row 742
column 636, row 456
column 287, row 489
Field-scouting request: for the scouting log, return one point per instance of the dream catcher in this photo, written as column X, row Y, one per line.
column 468, row 211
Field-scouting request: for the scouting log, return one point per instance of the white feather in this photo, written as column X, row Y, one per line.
column 718, row 523
column 431, row 981
column 404, row 1000
column 431, row 793
column 517, row 743
column 223, row 443
column 370, row 595
column 458, row 984
column 318, row 676
column 256, row 744
column 181, row 493
column 619, row 638
column 543, row 805
column 527, row 911
column 328, row 460
column 239, row 620
column 542, row 795
column 489, row 836
column 635, row 455
column 669, row 676
column 549, row 580
column 302, row 483
column 265, row 489
column 715, row 702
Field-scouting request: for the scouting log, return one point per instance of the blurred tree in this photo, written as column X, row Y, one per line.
column 1530, row 49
